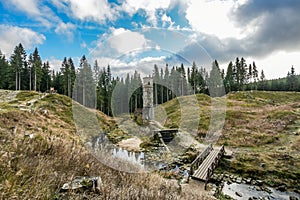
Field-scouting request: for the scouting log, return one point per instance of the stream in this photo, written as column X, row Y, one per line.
column 246, row 191
column 139, row 159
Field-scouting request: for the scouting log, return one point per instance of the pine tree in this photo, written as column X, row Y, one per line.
column 18, row 62
column 229, row 78
column 255, row 75
column 85, row 91
column 215, row 81
column 35, row 69
column 4, row 67
column 46, row 77
column 72, row 76
column 262, row 80
column 292, row 81
column 194, row 78
column 65, row 70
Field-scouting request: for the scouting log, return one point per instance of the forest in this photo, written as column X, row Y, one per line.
column 96, row 87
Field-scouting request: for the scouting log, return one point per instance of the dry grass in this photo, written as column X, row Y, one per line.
column 259, row 126
column 40, row 152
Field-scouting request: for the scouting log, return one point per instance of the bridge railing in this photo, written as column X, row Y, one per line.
column 199, row 159
column 214, row 164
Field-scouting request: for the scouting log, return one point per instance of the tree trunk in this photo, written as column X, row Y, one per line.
column 34, row 80
column 19, row 80
column 30, row 80
column 16, row 80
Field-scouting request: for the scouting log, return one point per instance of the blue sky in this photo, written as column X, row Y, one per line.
column 136, row 34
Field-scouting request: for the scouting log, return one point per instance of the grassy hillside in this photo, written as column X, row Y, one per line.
column 262, row 129
column 41, row 150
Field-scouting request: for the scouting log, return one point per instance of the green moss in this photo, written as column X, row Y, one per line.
column 27, row 95
column 117, row 135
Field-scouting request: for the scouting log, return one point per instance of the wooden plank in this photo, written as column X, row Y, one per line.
column 201, row 172
column 200, row 158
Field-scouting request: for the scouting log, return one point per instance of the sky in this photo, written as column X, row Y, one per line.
column 136, row 34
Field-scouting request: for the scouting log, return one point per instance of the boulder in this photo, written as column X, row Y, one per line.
column 239, row 180
column 85, row 183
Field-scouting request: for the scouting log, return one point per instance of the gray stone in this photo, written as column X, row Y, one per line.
column 267, row 190
column 258, row 188
column 238, row 194
column 259, row 182
column 239, row 180
column 93, row 183
column 293, row 198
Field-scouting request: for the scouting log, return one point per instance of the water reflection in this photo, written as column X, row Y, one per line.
column 139, row 159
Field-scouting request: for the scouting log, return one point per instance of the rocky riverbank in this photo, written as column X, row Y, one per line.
column 238, row 187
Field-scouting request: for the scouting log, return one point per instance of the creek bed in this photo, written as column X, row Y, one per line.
column 245, row 191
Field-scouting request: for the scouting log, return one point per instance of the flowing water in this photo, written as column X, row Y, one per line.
column 245, row 191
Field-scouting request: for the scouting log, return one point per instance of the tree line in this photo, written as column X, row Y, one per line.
column 95, row 87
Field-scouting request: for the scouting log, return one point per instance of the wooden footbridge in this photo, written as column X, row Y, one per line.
column 203, row 166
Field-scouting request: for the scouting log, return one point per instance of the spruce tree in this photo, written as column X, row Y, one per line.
column 4, row 67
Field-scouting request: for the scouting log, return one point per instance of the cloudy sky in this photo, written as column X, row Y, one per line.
column 135, row 34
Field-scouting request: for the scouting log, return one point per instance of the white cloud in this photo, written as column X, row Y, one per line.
column 119, row 42
column 95, row 10
column 150, row 7
column 36, row 10
column 54, row 63
column 66, row 29
column 278, row 64
column 28, row 6
column 125, row 41
column 10, row 36
column 212, row 17
column 166, row 20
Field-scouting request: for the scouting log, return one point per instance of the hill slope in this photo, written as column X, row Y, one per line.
column 41, row 150
column 262, row 129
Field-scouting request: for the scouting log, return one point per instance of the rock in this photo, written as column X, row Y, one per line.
column 87, row 183
column 281, row 188
column 259, row 182
column 267, row 190
column 258, row 188
column 293, row 198
column 238, row 194
column 239, row 180
column 248, row 181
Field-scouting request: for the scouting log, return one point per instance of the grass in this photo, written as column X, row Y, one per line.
column 36, row 167
column 259, row 127
column 27, row 95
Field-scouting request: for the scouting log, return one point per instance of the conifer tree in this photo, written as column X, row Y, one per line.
column 18, row 62
column 4, row 67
